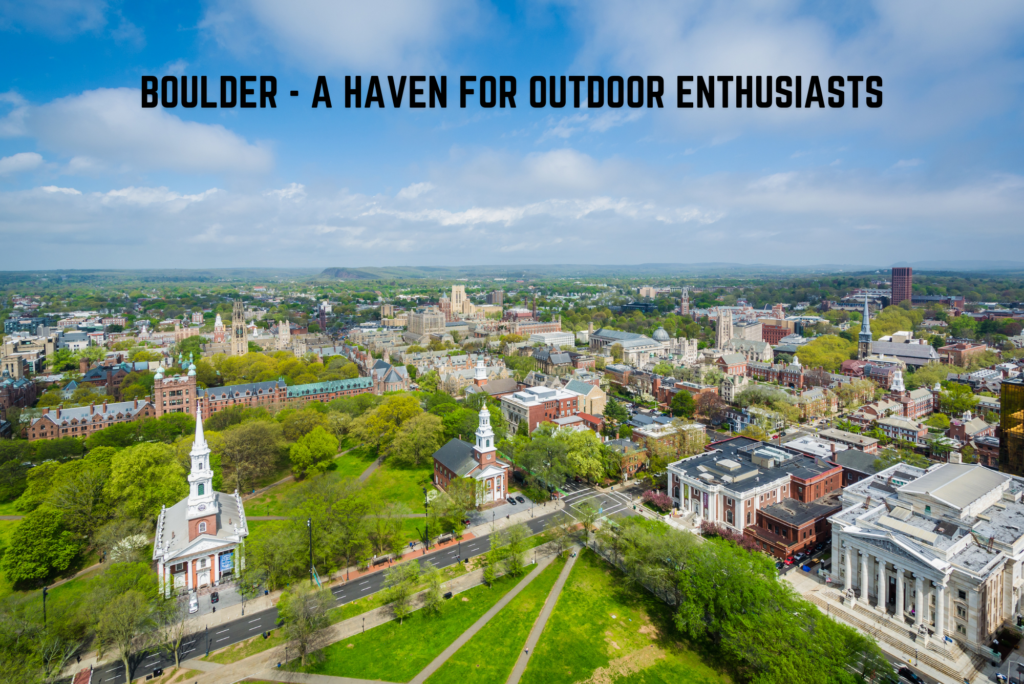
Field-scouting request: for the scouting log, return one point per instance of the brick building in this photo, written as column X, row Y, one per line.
column 535, row 405
column 902, row 285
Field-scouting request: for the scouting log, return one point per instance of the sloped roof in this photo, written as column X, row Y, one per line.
column 457, row 456
column 580, row 387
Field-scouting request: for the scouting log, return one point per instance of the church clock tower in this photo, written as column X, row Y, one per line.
column 202, row 507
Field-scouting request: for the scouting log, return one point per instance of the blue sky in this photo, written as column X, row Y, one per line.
column 90, row 179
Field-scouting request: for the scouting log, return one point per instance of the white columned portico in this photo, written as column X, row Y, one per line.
column 882, row 585
column 919, row 604
column 848, row 584
column 940, row 610
column 865, row 578
column 899, row 594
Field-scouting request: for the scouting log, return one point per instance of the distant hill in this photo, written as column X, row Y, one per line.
column 350, row 274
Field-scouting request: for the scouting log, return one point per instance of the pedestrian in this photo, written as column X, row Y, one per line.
column 78, row 658
column 527, row 651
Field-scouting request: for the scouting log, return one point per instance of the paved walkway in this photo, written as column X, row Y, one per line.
column 542, row 620
column 369, row 471
column 11, row 517
column 479, row 624
column 303, row 678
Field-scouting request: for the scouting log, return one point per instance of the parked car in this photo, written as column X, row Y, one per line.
column 799, row 556
column 214, row 597
column 193, row 604
column 466, row 522
column 789, row 560
column 910, row 675
column 511, row 501
column 520, row 499
column 818, row 548
column 779, row 565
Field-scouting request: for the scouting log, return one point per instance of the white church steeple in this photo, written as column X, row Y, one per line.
column 484, row 450
column 201, row 500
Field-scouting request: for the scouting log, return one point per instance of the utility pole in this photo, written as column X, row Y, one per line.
column 45, row 592
column 309, row 525
column 426, row 516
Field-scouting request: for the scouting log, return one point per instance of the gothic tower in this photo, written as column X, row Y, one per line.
column 724, row 335
column 202, row 504
column 239, row 333
column 864, row 339
column 284, row 335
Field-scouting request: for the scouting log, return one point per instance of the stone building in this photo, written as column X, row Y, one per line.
column 941, row 548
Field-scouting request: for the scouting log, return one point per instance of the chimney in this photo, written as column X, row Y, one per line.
column 833, row 449
column 83, row 366
column 46, row 410
column 136, row 404
column 92, row 408
column 104, row 406
column 59, row 407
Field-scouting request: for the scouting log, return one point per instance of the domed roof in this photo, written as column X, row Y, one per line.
column 660, row 335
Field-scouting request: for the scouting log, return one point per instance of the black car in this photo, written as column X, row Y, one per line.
column 214, row 597
column 512, row 501
column 520, row 499
column 910, row 675
column 818, row 548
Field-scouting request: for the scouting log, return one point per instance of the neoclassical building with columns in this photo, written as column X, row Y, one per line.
column 938, row 551
column 198, row 539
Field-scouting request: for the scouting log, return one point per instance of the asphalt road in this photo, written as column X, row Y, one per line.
column 613, row 503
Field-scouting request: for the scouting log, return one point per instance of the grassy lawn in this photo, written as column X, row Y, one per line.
column 244, row 649
column 607, row 630
column 397, row 652
column 404, row 485
column 9, row 509
column 354, row 462
column 281, row 499
column 490, row 655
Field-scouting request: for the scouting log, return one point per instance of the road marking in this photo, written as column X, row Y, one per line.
column 221, row 639
column 252, row 628
column 365, row 589
column 256, row 620
column 222, row 631
column 362, row 583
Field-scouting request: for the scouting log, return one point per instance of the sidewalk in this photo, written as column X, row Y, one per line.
column 264, row 665
column 542, row 620
column 231, row 613
column 944, row 662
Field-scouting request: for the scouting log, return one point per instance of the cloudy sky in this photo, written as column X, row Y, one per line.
column 88, row 178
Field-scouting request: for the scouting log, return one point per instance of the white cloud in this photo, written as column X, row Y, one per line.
column 22, row 161
column 567, row 126
column 494, row 208
column 323, row 33
column 906, row 163
column 108, row 125
column 415, row 190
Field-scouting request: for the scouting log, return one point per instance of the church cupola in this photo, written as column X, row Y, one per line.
column 480, row 376
column 484, row 451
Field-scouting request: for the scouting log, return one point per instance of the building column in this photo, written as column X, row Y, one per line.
column 919, row 605
column 849, row 569
column 215, row 570
column 940, row 610
column 899, row 594
column 883, row 585
column 865, row 578
column 189, row 570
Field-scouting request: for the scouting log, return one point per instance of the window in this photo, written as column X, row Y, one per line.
column 748, row 517
column 200, row 490
column 728, row 517
column 927, row 510
column 202, row 563
column 961, row 612
column 202, row 528
column 961, row 630
column 961, row 594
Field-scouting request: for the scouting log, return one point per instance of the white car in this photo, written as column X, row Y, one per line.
column 193, row 605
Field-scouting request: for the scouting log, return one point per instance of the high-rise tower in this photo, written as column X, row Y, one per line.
column 902, row 285
column 724, row 328
column 239, row 333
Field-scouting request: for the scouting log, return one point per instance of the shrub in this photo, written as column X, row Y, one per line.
column 658, row 499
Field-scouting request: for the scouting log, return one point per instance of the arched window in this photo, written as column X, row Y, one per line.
column 201, row 488
column 202, row 528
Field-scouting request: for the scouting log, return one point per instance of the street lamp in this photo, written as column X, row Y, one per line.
column 426, row 517
column 309, row 526
column 46, row 590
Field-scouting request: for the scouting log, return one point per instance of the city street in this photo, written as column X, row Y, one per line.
column 256, row 623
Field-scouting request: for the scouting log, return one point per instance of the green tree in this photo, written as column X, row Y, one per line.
column 313, row 452
column 379, row 426
column 957, row 399
column 417, row 440
column 304, row 611
column 297, row 424
column 616, row 411
column 432, row 598
column 584, row 453
column 145, row 477
column 399, row 583
column 127, row 626
column 251, row 450
column 39, row 547
column 683, row 405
